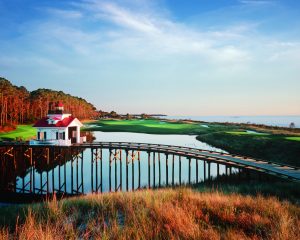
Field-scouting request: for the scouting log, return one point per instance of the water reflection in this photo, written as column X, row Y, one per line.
column 78, row 170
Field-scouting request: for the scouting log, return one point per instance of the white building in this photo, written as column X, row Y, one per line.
column 58, row 128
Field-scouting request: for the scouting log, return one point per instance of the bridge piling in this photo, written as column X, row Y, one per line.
column 126, row 170
column 149, row 176
column 208, row 169
column 154, row 170
column 173, row 159
column 159, row 171
column 116, row 179
column 189, row 170
column 120, row 170
column 204, row 171
column 132, row 167
column 110, row 159
column 180, row 170
column 197, row 171
column 139, row 166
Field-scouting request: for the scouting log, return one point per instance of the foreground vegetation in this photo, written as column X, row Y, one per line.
column 160, row 214
column 269, row 145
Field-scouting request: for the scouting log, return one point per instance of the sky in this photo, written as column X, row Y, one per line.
column 176, row 57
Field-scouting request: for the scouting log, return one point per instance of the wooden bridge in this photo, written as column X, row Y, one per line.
column 24, row 162
column 231, row 160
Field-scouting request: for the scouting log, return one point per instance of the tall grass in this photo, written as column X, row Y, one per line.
column 161, row 214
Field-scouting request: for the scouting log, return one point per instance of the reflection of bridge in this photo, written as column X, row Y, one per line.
column 20, row 160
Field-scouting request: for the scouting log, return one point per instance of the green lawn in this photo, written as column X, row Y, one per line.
column 293, row 138
column 247, row 133
column 145, row 126
column 23, row 131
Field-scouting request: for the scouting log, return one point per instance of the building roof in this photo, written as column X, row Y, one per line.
column 63, row 123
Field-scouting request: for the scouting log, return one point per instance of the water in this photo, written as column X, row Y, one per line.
column 280, row 121
column 179, row 140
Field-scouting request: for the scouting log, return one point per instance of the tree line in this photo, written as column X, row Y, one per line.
column 18, row 105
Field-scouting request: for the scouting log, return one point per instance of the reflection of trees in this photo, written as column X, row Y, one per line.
column 19, row 161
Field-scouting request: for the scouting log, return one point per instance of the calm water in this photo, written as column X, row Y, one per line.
column 180, row 140
column 281, row 121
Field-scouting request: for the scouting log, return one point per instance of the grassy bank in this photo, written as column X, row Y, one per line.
column 23, row 132
column 270, row 147
column 161, row 214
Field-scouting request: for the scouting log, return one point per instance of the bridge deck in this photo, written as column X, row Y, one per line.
column 281, row 170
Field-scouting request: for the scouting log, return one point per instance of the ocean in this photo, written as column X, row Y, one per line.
column 280, row 121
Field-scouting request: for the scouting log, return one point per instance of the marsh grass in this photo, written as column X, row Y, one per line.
column 162, row 214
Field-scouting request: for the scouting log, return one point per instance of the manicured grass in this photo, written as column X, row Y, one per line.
column 153, row 127
column 23, row 132
column 247, row 133
column 293, row 138
column 161, row 214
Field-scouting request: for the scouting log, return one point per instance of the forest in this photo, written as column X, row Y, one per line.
column 19, row 106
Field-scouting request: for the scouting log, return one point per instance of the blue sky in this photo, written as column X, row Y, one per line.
column 179, row 57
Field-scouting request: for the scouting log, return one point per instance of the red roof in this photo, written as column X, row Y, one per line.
column 63, row 123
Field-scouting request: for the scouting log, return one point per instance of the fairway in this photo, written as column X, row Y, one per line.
column 23, row 131
column 144, row 126
column 293, row 138
column 247, row 133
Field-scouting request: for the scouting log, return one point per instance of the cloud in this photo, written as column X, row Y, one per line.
column 256, row 2
column 69, row 14
column 140, row 34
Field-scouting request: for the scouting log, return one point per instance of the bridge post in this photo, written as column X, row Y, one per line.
column 77, row 177
column 218, row 170
column 72, row 178
column 197, row 180
column 139, row 162
column 189, row 170
column 101, row 171
column 173, row 159
column 33, row 177
column 204, row 171
column 126, row 169
column 209, row 175
column 167, row 170
column 149, row 177
column 31, row 170
column 180, row 170
column 65, row 173
column 153, row 169
column 92, row 170
column 132, row 168
column 120, row 170
column 82, row 185
column 115, row 160
column 51, row 161
column 59, row 173
column 110, row 154
column 159, row 171
column 47, row 171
